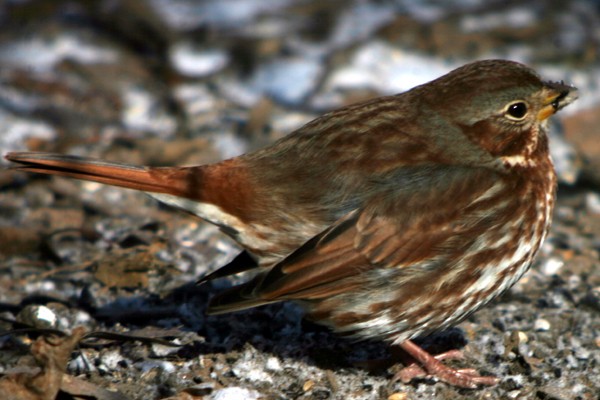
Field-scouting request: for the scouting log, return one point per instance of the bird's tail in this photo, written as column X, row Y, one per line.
column 129, row 176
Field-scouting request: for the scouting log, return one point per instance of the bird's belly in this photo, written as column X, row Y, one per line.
column 412, row 303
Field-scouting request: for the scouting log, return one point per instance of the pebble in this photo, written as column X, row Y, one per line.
column 273, row 364
column 235, row 393
column 522, row 337
column 288, row 80
column 143, row 112
column 541, row 325
column 592, row 202
column 308, row 385
column 551, row 266
column 148, row 365
column 38, row 316
column 197, row 63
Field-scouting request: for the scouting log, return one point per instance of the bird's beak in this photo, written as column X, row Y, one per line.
column 556, row 96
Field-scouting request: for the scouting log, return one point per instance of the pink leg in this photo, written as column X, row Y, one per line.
column 432, row 366
column 414, row 370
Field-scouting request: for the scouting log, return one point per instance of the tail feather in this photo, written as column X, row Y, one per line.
column 116, row 174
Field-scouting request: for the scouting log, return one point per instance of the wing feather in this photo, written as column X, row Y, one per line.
column 400, row 229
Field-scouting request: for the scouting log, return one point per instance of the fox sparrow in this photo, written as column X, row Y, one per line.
column 385, row 219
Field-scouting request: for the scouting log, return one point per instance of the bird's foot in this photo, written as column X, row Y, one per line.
column 427, row 365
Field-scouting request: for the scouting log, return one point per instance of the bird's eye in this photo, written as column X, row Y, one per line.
column 516, row 110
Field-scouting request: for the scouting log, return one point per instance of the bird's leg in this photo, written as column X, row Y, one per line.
column 432, row 366
column 413, row 370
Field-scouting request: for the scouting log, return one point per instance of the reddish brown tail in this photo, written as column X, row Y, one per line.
column 218, row 193
column 128, row 176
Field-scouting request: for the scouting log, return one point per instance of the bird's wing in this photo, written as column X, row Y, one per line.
column 433, row 222
column 242, row 262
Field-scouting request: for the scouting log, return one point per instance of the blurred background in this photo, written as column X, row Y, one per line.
column 181, row 82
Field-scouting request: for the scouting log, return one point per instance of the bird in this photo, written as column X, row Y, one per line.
column 387, row 219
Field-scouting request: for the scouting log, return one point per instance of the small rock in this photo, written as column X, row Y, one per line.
column 541, row 325
column 38, row 316
column 523, row 338
column 195, row 62
column 592, row 202
column 273, row 364
column 235, row 393
column 308, row 385
column 552, row 266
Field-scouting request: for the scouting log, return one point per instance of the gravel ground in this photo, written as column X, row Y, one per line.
column 184, row 82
